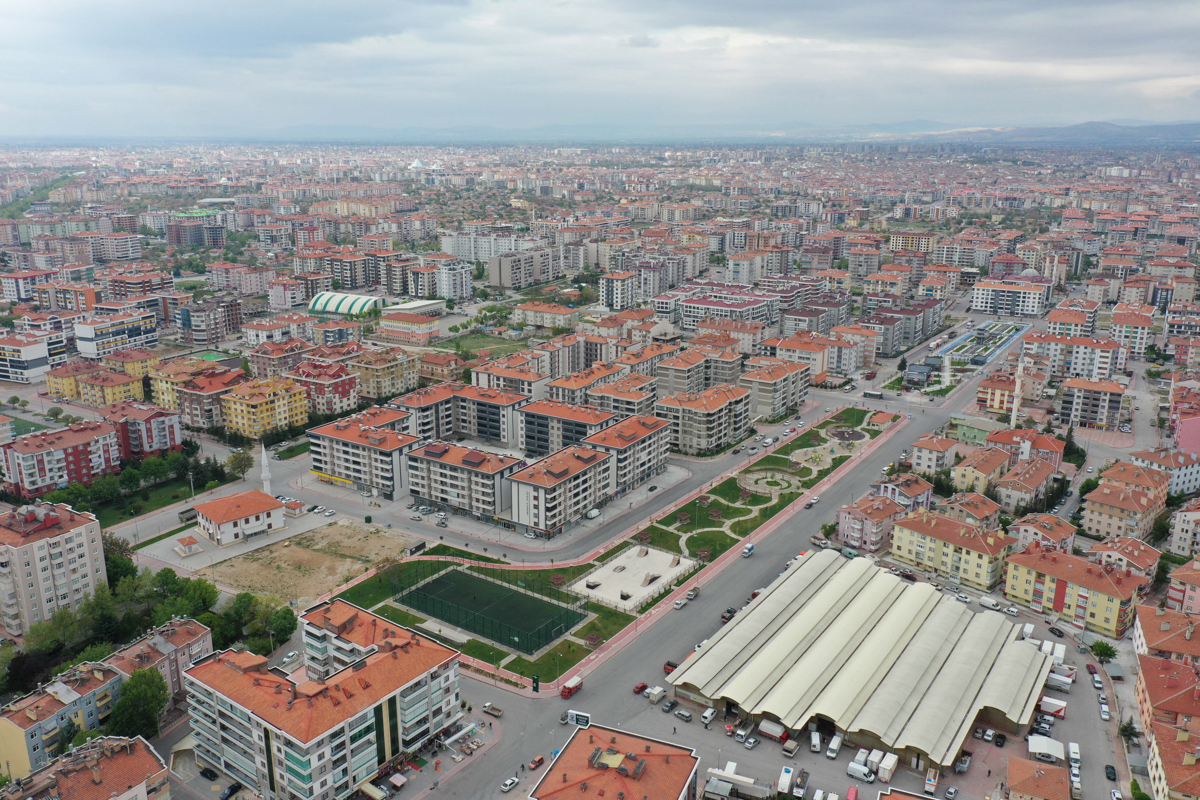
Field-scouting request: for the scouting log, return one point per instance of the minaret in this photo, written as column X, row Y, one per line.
column 266, row 471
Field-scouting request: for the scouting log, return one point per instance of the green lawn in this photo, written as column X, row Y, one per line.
column 399, row 616
column 663, row 539
column 945, row 390
column 383, row 585
column 294, row 450
column 810, row 438
column 483, row 651
column 614, row 550
column 164, row 494
column 447, row 550
column 716, row 541
column 555, row 662
column 728, row 490
column 820, row 476
column 162, row 536
column 771, row 462
column 744, row 527
column 24, row 426
column 695, row 512
column 608, row 622
column 476, row 342
column 847, row 417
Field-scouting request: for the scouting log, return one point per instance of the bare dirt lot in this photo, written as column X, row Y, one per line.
column 307, row 566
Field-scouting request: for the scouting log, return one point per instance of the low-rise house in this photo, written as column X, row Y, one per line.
column 239, row 517
column 1022, row 444
column 980, row 470
column 170, row 648
column 971, row 508
column 910, row 491
column 1025, row 484
column 932, row 453
column 1047, row 530
column 1123, row 553
column 1033, row 780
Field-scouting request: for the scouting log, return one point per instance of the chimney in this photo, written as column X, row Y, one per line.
column 96, row 779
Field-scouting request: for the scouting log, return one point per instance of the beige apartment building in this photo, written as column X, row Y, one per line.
column 385, row 373
column 461, row 478
column 639, row 447
column 966, row 554
column 551, row 495
column 705, row 422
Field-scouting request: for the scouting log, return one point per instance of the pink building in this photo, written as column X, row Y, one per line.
column 867, row 524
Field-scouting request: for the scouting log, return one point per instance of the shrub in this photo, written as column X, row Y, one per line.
column 367, row 518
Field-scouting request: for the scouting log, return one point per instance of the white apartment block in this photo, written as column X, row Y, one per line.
column 454, row 281
column 50, row 558
column 1076, row 356
column 461, row 478
column 618, row 290
column 639, row 447
column 1182, row 468
column 320, row 738
column 1134, row 331
column 550, row 495
column 101, row 336
column 27, row 357
column 482, row 246
column 355, row 453
column 1010, row 298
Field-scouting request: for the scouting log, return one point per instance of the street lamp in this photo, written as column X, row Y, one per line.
column 193, row 485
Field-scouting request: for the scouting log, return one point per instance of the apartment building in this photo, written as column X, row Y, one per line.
column 866, row 524
column 630, row 396
column 520, row 270
column 694, row 370
column 1091, row 404
column 1130, row 476
column 450, row 410
column 199, row 399
column 1076, row 356
column 544, row 315
column 706, row 422
column 518, row 380
column 108, row 766
column 267, row 330
column 1111, row 510
column 53, row 459
column 240, row 517
column 350, row 724
column 965, row 554
column 1069, row 587
column 1127, row 554
column 1135, row 332
column 335, row 332
column 1182, row 469
column 932, row 453
column 168, row 376
column 748, row 334
column 144, row 429
column 68, row 296
column 26, row 357
column 259, row 406
column 775, row 389
column 329, row 388
column 618, row 290
column 1025, row 443
column 911, row 491
column 639, row 447
column 385, row 373
column 1185, row 530
column 573, row 389
column 210, row 323
column 551, row 495
column 273, row 359
column 362, row 452
column 1024, row 485
column 170, row 649
column 1010, row 298
column 463, row 479
column 547, row 426
column 99, row 389
column 1046, row 530
column 30, row 726
column 103, row 335
column 138, row 363
column 285, row 294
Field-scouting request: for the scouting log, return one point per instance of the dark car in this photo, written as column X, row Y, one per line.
column 1091, row 668
column 1110, row 772
column 908, row 576
column 809, row 504
column 1000, row 739
column 1057, row 632
column 639, row 688
column 728, row 614
column 670, row 704
column 231, row 790
column 208, row 774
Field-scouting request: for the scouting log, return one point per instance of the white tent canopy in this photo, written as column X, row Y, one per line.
column 1046, row 746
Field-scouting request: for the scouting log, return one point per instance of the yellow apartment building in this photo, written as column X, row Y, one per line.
column 256, row 407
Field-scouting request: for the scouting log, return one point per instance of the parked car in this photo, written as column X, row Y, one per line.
column 416, row 517
column 319, row 509
column 1056, row 632
column 1103, row 698
column 1001, row 739
column 330, row 513
column 669, row 706
column 1104, row 715
column 1012, row 611
column 440, row 515
column 752, row 742
column 683, row 714
column 951, row 792
column 989, row 735
column 290, row 655
column 639, row 688
column 1110, row 772
column 1091, row 668
column 231, row 790
column 208, row 774
column 962, row 598
column 509, row 784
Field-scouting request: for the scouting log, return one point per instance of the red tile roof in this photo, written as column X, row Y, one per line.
column 238, row 506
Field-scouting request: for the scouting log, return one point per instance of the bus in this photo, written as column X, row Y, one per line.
column 188, row 514
column 872, row 395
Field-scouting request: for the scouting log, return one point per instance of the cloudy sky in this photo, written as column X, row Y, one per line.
column 260, row 67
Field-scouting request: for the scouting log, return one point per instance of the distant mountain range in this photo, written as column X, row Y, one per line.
column 1125, row 132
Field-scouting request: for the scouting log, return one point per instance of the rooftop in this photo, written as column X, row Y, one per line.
column 238, row 506
column 561, row 466
column 612, row 763
column 1075, row 569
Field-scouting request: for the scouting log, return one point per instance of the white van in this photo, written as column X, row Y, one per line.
column 708, row 716
column 988, row 602
column 860, row 772
column 835, row 744
column 1073, row 753
column 816, row 742
column 818, row 795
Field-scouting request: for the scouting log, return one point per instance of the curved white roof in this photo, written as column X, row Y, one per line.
column 847, row 641
column 338, row 303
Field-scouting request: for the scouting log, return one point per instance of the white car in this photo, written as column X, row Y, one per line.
column 509, row 784
column 962, row 598
column 1012, row 611
column 440, row 515
column 1104, row 715
column 330, row 513
column 318, row 509
column 1103, row 698
column 815, row 500
column 290, row 655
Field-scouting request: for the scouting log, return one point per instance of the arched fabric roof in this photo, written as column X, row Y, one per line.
column 848, row 641
column 339, row 303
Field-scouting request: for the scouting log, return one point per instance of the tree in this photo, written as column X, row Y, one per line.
column 201, row 596
column 208, row 487
column 903, row 365
column 54, row 412
column 1103, row 651
column 177, row 464
column 131, row 479
column 143, row 698
column 105, row 490
column 282, row 623
column 98, row 615
column 1127, row 730
column 239, row 463
column 14, row 401
column 246, row 365
column 66, row 737
column 24, row 404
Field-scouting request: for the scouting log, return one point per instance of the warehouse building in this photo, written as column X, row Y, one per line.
column 894, row 666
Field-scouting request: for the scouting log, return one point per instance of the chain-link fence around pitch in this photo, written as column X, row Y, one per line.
column 519, row 612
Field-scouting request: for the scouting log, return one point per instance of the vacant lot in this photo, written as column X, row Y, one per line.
column 307, row 566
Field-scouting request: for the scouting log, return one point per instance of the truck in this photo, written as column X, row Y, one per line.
column 964, row 761
column 656, row 694
column 931, row 781
column 1055, row 708
column 571, row 687
column 1068, row 671
column 870, row 376
column 1058, row 683
column 887, row 767
column 1060, row 653
column 773, row 730
column 693, row 593
column 874, row 760
column 800, row 784
column 784, row 787
column 989, row 603
column 670, row 667
column 1027, row 630
column 747, row 551
column 495, row 711
column 791, row 747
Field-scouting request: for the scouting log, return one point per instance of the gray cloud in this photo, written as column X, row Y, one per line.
column 223, row 67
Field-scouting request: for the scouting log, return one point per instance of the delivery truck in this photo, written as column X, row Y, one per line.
column 784, row 787
column 887, row 767
column 773, row 730
column 800, row 784
column 571, row 687
column 1055, row 708
column 1027, row 631
column 1060, row 653
column 874, row 760
column 656, row 694
column 1058, row 683
column 495, row 711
